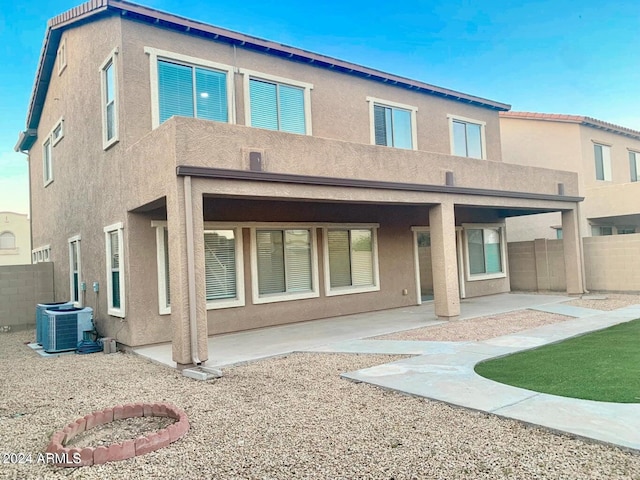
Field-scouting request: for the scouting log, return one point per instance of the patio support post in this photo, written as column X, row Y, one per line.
column 180, row 271
column 572, row 253
column 444, row 260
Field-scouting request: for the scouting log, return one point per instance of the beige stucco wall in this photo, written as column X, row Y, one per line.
column 570, row 146
column 612, row 263
column 134, row 180
column 537, row 265
column 19, row 225
column 22, row 287
column 339, row 107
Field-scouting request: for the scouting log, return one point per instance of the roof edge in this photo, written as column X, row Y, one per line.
column 92, row 8
column 577, row 119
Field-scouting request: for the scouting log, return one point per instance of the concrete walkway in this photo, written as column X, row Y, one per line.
column 445, row 371
column 235, row 348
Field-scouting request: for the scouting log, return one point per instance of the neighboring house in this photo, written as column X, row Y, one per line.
column 187, row 180
column 15, row 239
column 605, row 156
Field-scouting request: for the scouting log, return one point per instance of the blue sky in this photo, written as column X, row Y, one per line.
column 552, row 56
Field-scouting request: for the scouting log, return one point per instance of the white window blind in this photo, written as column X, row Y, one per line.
column 220, row 264
column 350, row 257
column 284, row 261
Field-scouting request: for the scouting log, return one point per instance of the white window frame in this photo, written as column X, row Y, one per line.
column 636, row 155
column 164, row 307
column 119, row 228
column 47, row 161
column 61, row 56
column 373, row 101
column 284, row 297
column 239, row 301
column 75, row 239
column 156, row 54
column 334, row 291
column 112, row 60
column 56, row 139
column 251, row 74
column 503, row 252
column 606, row 161
column 41, row 254
column 457, row 118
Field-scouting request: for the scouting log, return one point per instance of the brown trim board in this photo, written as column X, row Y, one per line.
column 228, row 174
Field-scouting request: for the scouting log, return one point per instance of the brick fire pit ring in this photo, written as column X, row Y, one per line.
column 78, row 457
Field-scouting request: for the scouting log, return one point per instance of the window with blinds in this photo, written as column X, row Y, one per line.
column 190, row 91
column 74, row 270
column 351, row 262
column 276, row 106
column 284, row 261
column 485, row 250
column 114, row 239
column 392, row 127
column 220, row 264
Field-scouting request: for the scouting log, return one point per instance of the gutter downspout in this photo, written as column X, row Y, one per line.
column 581, row 246
column 191, row 273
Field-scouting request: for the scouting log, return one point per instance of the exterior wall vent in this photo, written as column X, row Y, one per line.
column 448, row 179
column 255, row 161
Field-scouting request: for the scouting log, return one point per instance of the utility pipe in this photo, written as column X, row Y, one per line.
column 191, row 273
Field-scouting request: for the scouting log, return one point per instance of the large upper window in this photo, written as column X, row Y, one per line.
column 485, row 252
column 109, row 101
column 75, row 275
column 191, row 91
column 602, row 155
column 467, row 137
column 634, row 165
column 115, row 270
column 392, row 124
column 277, row 103
column 223, row 266
column 284, row 264
column 352, row 265
column 187, row 86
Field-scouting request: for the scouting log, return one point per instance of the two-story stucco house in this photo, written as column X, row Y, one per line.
column 189, row 180
column 606, row 158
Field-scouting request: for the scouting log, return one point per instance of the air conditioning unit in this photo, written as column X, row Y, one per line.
column 63, row 329
column 40, row 316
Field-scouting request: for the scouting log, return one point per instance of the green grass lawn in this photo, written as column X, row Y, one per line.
column 604, row 366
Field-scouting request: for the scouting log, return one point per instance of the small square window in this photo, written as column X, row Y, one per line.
column 392, row 124
column 602, row 155
column 58, row 132
column 467, row 137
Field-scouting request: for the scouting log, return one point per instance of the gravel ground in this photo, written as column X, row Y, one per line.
column 290, row 417
column 480, row 328
column 611, row 301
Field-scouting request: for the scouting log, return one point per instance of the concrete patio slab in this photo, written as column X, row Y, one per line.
column 235, row 348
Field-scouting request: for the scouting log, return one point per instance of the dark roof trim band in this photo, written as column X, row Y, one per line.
column 223, row 173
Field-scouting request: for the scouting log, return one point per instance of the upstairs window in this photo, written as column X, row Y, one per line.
column 186, row 86
column 109, row 101
column 467, row 137
column 62, row 56
column 634, row 165
column 47, row 161
column 277, row 103
column 602, row 155
column 393, row 124
column 190, row 91
column 277, row 107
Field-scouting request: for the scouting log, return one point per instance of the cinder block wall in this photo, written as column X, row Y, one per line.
column 21, row 288
column 612, row 263
column 537, row 266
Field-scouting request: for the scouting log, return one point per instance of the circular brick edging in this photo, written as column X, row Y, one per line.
column 78, row 457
